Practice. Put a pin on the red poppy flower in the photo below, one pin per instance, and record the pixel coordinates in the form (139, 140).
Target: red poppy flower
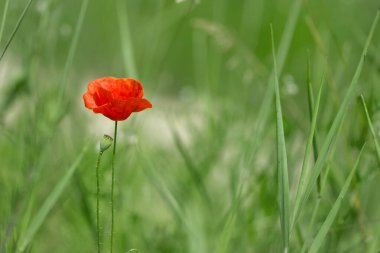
(115, 98)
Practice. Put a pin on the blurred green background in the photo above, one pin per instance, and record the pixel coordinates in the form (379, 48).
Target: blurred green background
(197, 173)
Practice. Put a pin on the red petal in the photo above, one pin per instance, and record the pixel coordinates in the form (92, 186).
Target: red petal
(112, 112)
(121, 109)
(89, 101)
(128, 88)
(102, 96)
(138, 104)
(120, 88)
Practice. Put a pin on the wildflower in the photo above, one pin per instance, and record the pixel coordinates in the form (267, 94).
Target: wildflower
(115, 98)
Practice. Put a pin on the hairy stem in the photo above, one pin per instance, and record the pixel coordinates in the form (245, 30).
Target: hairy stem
(112, 184)
(97, 199)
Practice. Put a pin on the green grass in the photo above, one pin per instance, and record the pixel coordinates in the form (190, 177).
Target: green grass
(49, 203)
(322, 233)
(282, 166)
(15, 28)
(252, 145)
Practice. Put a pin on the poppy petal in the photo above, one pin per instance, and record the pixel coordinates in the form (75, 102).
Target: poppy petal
(102, 96)
(128, 88)
(113, 112)
(122, 109)
(138, 104)
(121, 88)
(89, 101)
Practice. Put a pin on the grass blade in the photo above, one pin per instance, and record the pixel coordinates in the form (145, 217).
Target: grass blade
(321, 235)
(310, 97)
(377, 145)
(5, 12)
(311, 138)
(73, 47)
(49, 203)
(334, 130)
(282, 167)
(19, 21)
(265, 108)
(315, 211)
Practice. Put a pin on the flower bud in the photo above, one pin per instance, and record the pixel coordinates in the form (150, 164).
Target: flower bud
(105, 143)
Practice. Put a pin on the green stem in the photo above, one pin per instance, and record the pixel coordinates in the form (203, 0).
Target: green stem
(97, 199)
(113, 180)
(19, 21)
(3, 19)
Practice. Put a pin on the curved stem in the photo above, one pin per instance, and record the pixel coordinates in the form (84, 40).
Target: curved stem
(112, 184)
(97, 199)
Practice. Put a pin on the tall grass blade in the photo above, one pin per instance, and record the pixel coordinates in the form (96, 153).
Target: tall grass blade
(304, 172)
(19, 21)
(4, 18)
(334, 130)
(282, 167)
(265, 107)
(321, 235)
(49, 203)
(377, 145)
(310, 98)
(310, 231)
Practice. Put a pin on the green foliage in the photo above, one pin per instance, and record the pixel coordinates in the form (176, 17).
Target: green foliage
(198, 172)
(282, 162)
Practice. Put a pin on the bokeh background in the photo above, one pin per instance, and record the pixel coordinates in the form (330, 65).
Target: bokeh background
(197, 173)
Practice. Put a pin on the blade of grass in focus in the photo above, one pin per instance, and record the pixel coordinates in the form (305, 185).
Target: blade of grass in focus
(317, 204)
(377, 145)
(282, 164)
(312, 111)
(310, 141)
(322, 233)
(334, 130)
(51, 200)
(19, 21)
(266, 104)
